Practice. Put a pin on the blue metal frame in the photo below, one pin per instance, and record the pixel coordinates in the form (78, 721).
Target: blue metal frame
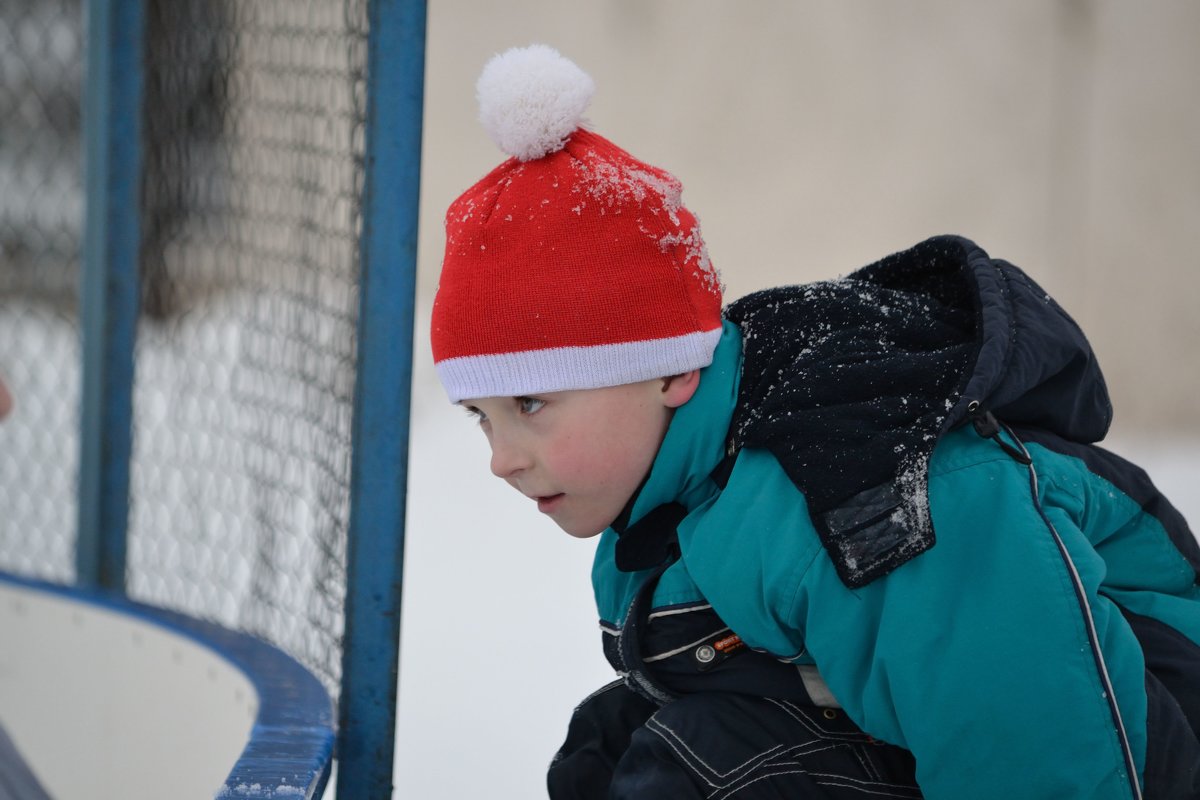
(379, 467)
(109, 310)
(110, 293)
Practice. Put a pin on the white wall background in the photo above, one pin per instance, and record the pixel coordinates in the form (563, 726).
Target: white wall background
(813, 137)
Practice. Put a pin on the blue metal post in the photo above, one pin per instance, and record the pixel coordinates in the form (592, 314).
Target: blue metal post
(379, 467)
(109, 295)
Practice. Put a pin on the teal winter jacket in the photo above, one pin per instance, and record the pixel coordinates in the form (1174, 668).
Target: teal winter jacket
(958, 577)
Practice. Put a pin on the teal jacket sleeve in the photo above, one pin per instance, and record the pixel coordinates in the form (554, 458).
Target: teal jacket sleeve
(992, 657)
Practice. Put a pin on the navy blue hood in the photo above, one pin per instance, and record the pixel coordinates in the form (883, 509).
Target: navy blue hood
(1033, 364)
(850, 383)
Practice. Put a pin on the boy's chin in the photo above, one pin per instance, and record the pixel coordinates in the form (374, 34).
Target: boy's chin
(580, 531)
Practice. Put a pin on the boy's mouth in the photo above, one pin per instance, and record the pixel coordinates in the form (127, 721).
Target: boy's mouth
(548, 503)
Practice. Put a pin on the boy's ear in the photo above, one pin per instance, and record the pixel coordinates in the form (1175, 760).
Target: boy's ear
(678, 389)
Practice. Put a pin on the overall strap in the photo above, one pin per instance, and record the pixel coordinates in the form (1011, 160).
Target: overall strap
(628, 655)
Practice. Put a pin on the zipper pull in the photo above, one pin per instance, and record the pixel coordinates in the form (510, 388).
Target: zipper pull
(987, 426)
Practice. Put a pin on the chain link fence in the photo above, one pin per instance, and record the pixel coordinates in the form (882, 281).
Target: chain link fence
(41, 224)
(253, 151)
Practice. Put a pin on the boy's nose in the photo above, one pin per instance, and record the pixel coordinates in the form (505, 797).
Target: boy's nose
(508, 457)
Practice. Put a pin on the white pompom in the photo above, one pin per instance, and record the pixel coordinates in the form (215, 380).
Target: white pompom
(531, 99)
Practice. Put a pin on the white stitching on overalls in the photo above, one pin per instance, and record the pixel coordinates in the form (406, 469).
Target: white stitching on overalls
(659, 728)
(774, 771)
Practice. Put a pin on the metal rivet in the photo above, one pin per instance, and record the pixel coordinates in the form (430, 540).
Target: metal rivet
(830, 713)
(705, 654)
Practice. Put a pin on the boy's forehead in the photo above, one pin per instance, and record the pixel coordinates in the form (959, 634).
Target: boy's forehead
(591, 392)
(506, 398)
(483, 401)
(511, 398)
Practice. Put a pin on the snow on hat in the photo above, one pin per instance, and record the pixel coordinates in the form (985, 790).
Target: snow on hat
(572, 265)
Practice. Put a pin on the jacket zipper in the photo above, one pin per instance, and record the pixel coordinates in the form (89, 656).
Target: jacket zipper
(988, 427)
(1093, 637)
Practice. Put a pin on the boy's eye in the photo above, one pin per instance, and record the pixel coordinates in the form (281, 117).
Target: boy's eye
(530, 405)
(474, 413)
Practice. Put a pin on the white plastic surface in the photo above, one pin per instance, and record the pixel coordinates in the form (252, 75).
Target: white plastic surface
(108, 704)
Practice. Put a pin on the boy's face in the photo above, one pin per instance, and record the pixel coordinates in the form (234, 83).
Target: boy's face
(580, 455)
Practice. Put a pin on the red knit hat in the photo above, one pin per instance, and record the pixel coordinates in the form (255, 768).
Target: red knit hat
(572, 265)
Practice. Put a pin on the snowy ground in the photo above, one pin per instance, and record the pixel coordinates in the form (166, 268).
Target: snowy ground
(499, 638)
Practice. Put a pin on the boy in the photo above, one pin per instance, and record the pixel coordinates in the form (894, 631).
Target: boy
(854, 537)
